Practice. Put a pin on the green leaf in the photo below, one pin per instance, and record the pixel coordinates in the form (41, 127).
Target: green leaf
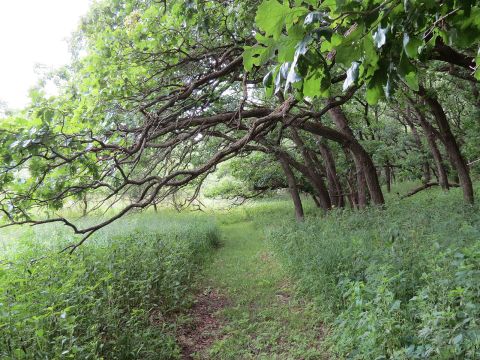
(331, 43)
(322, 32)
(411, 45)
(395, 305)
(464, 37)
(268, 79)
(466, 5)
(301, 49)
(292, 77)
(271, 17)
(371, 58)
(278, 79)
(376, 84)
(255, 56)
(347, 53)
(373, 94)
(408, 73)
(286, 45)
(284, 69)
(457, 339)
(294, 15)
(269, 82)
(316, 84)
(329, 4)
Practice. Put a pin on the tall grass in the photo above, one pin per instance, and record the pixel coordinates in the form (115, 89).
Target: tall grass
(401, 282)
(114, 298)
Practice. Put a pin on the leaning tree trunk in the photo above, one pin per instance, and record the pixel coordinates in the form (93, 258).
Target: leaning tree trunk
(451, 146)
(426, 166)
(437, 156)
(334, 185)
(352, 195)
(316, 201)
(315, 179)
(430, 134)
(427, 176)
(362, 187)
(292, 187)
(318, 184)
(313, 175)
(361, 157)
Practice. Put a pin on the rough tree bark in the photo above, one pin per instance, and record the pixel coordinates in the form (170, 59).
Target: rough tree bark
(334, 185)
(316, 201)
(388, 176)
(85, 205)
(313, 174)
(426, 166)
(363, 161)
(451, 146)
(361, 183)
(431, 135)
(352, 195)
(292, 187)
(314, 179)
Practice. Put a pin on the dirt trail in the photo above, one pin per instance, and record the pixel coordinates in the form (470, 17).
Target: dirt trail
(204, 329)
(249, 309)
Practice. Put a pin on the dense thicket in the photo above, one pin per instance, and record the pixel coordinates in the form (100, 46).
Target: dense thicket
(338, 96)
(116, 298)
(400, 283)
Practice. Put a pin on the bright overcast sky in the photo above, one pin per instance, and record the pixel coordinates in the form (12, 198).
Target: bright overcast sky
(33, 32)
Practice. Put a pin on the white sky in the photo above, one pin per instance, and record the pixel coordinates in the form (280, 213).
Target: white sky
(33, 32)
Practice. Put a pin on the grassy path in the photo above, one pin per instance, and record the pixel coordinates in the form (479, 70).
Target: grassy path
(260, 318)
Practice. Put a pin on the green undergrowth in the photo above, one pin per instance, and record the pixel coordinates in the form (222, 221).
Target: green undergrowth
(114, 298)
(396, 283)
(262, 319)
(401, 282)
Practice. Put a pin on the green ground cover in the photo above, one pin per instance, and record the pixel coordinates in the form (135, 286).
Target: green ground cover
(112, 299)
(393, 283)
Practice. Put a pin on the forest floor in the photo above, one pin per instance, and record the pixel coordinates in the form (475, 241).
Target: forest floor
(247, 309)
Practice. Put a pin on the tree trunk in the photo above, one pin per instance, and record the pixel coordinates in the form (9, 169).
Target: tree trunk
(361, 157)
(361, 183)
(292, 186)
(388, 176)
(437, 158)
(85, 205)
(352, 195)
(315, 200)
(427, 176)
(334, 185)
(314, 178)
(426, 166)
(431, 136)
(313, 175)
(451, 146)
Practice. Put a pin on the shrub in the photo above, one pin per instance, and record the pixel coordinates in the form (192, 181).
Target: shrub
(401, 283)
(113, 298)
